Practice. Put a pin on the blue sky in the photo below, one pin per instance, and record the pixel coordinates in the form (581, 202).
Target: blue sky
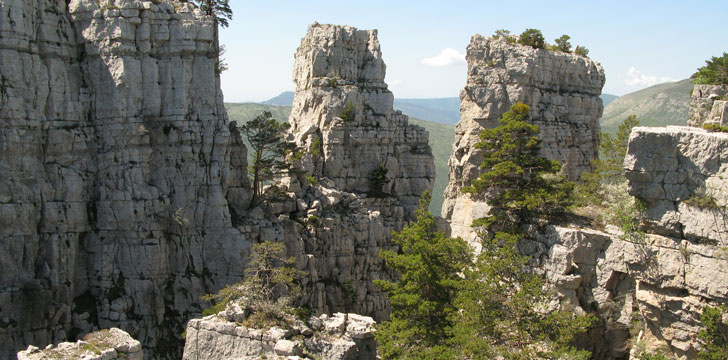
(639, 43)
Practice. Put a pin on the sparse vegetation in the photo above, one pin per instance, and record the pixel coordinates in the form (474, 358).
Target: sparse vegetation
(581, 51)
(377, 180)
(219, 9)
(563, 44)
(348, 112)
(715, 128)
(268, 290)
(714, 334)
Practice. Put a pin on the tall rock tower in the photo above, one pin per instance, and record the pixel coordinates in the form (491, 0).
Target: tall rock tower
(563, 93)
(343, 110)
(370, 168)
(116, 166)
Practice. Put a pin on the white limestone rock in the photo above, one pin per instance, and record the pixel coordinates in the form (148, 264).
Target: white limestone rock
(214, 338)
(562, 91)
(707, 105)
(111, 344)
(669, 168)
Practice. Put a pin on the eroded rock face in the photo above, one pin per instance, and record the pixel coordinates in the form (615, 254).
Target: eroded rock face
(563, 93)
(111, 344)
(707, 105)
(661, 282)
(343, 111)
(342, 117)
(674, 170)
(116, 169)
(337, 337)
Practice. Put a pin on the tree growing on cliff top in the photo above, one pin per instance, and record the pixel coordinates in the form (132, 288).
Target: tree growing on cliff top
(423, 300)
(533, 38)
(219, 9)
(715, 71)
(267, 140)
(563, 44)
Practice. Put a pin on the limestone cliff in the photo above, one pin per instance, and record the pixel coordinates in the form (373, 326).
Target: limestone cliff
(343, 119)
(563, 93)
(117, 171)
(708, 105)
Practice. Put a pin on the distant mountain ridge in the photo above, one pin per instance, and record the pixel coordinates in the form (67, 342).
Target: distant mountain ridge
(437, 110)
(658, 105)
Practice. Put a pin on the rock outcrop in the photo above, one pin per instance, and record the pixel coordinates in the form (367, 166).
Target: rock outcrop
(368, 166)
(708, 105)
(563, 93)
(681, 174)
(118, 171)
(111, 344)
(337, 337)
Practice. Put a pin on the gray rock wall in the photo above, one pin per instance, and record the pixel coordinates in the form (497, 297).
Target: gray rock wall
(563, 93)
(708, 105)
(672, 169)
(116, 166)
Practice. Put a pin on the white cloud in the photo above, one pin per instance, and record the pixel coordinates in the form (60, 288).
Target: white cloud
(447, 56)
(636, 79)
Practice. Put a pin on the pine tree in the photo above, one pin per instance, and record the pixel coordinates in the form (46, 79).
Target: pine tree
(502, 302)
(422, 300)
(267, 140)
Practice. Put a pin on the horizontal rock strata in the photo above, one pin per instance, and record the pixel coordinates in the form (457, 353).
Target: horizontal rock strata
(562, 91)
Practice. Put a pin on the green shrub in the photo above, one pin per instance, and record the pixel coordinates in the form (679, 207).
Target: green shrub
(581, 51)
(715, 71)
(377, 180)
(563, 44)
(702, 201)
(715, 128)
(505, 35)
(348, 113)
(311, 179)
(533, 38)
(714, 334)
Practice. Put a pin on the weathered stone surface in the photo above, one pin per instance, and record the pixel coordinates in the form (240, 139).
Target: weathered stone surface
(672, 168)
(563, 93)
(111, 344)
(342, 116)
(662, 282)
(707, 105)
(349, 337)
(343, 111)
(115, 164)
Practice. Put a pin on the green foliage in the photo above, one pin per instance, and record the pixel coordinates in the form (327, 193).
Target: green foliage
(563, 44)
(608, 167)
(502, 303)
(647, 356)
(219, 9)
(313, 220)
(502, 309)
(377, 180)
(522, 186)
(702, 201)
(715, 71)
(348, 113)
(268, 290)
(533, 38)
(506, 35)
(311, 179)
(266, 137)
(316, 147)
(581, 51)
(220, 64)
(715, 128)
(714, 334)
(422, 301)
